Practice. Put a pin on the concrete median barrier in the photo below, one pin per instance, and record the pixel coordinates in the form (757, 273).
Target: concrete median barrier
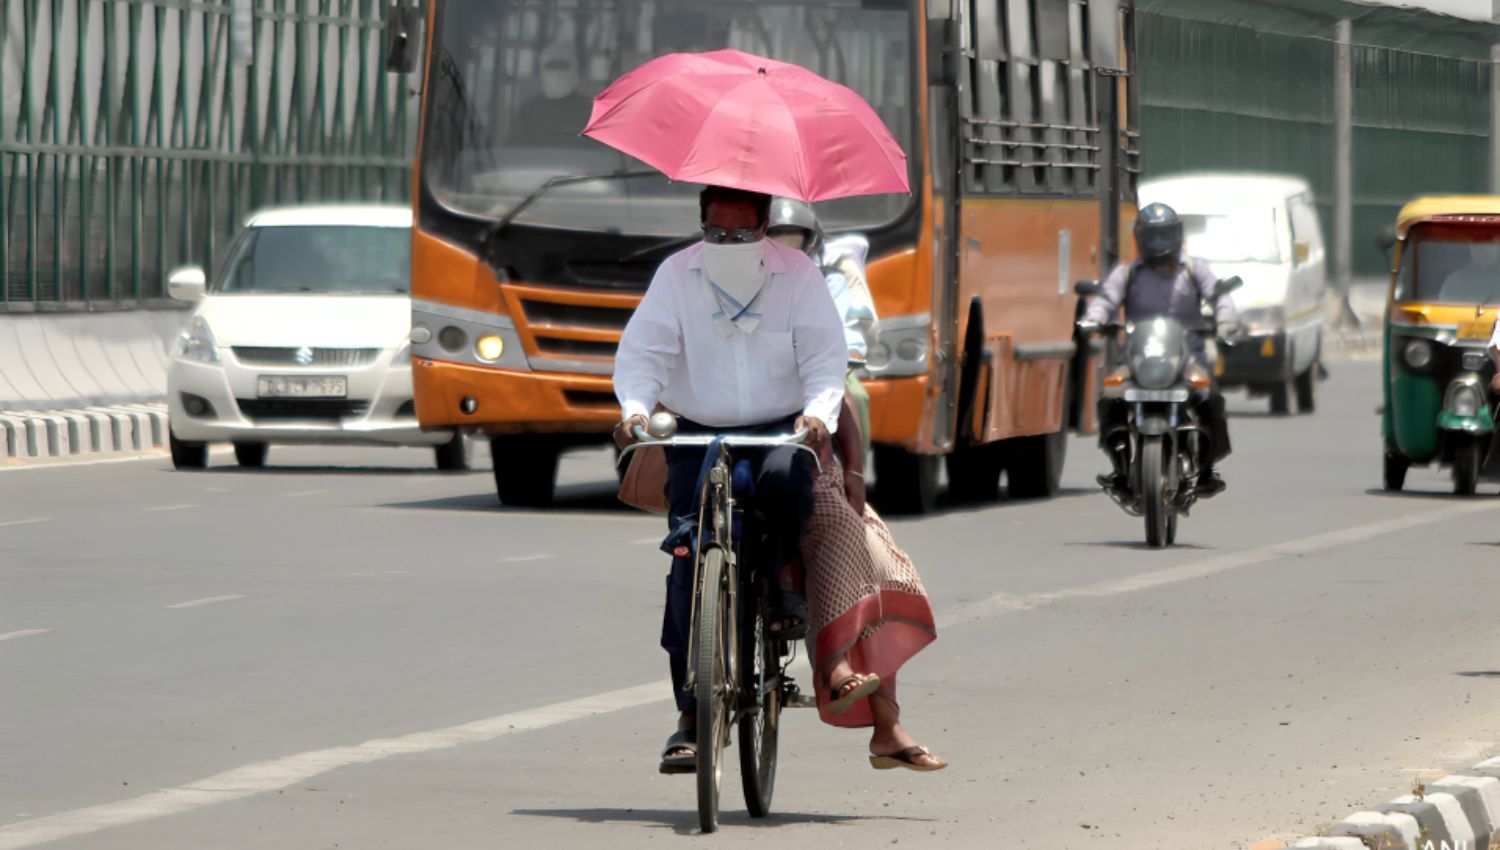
(1380, 830)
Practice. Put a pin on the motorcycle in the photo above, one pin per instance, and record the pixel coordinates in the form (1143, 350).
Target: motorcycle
(1162, 436)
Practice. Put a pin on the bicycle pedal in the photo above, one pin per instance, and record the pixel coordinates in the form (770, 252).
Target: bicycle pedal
(801, 700)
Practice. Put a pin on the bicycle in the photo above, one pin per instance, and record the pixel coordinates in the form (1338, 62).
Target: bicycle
(736, 669)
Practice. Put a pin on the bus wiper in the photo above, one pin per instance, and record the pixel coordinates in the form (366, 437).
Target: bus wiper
(496, 230)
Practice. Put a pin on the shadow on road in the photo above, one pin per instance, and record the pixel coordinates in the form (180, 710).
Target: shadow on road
(1139, 545)
(686, 822)
(1439, 495)
(329, 470)
(947, 507)
(594, 497)
(1479, 674)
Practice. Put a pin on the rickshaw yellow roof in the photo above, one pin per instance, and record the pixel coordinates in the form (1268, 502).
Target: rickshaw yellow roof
(1441, 206)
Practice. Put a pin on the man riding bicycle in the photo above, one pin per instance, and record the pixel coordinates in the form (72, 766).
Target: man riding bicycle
(736, 334)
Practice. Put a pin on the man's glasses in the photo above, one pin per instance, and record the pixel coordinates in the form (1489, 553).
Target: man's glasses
(723, 235)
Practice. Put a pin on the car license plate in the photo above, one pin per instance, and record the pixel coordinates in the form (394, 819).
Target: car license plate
(1477, 329)
(302, 386)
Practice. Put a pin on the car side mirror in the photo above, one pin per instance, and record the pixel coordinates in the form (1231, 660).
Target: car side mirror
(1088, 288)
(1227, 285)
(402, 29)
(188, 283)
(1385, 240)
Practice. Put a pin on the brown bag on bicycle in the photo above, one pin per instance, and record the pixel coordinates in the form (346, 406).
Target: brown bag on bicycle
(645, 483)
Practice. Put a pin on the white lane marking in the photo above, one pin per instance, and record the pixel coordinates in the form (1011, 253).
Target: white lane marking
(300, 493)
(160, 508)
(211, 600)
(24, 633)
(1001, 603)
(282, 773)
(15, 522)
(522, 559)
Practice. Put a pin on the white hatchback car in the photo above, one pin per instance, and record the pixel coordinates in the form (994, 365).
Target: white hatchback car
(304, 337)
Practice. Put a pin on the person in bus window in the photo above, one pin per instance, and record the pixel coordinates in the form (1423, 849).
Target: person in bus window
(1163, 282)
(555, 115)
(736, 334)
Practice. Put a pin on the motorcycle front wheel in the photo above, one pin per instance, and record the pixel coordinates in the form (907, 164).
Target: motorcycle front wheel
(1155, 507)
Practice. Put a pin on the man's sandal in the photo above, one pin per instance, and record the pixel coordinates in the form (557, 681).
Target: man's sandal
(840, 701)
(673, 762)
(907, 759)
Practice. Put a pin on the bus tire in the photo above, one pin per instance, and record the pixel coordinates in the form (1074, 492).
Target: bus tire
(907, 483)
(1035, 465)
(525, 470)
(974, 473)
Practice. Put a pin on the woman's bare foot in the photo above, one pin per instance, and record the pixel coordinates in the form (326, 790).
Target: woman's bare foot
(890, 738)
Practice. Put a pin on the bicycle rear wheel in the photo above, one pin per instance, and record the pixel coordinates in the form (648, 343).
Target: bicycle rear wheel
(712, 683)
(760, 688)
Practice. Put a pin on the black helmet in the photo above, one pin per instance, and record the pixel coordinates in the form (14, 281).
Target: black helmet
(788, 214)
(1158, 233)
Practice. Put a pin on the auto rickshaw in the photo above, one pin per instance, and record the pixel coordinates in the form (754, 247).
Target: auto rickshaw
(1442, 304)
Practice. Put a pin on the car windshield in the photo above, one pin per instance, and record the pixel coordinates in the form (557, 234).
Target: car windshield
(1450, 266)
(324, 259)
(513, 82)
(1240, 236)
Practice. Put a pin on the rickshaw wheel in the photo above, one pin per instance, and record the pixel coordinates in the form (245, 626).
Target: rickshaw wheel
(1396, 466)
(1466, 462)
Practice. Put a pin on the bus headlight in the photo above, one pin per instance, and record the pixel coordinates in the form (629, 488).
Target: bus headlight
(900, 349)
(489, 348)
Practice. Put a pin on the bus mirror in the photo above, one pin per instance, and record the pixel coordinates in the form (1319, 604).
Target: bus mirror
(1385, 240)
(942, 58)
(402, 27)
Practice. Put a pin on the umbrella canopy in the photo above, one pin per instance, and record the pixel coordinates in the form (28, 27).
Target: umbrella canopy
(734, 119)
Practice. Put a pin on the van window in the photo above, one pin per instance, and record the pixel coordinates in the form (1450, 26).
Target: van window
(1305, 227)
(1239, 236)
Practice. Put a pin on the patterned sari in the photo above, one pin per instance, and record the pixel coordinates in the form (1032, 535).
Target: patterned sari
(864, 596)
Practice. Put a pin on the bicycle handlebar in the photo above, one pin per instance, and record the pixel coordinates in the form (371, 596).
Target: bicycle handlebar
(796, 441)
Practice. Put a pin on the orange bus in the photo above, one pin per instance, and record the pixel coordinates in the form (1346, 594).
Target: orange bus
(533, 245)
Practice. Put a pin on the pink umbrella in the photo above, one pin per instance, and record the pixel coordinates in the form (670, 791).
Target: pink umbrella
(733, 119)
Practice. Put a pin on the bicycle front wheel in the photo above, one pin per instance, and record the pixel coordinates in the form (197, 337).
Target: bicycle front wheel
(760, 686)
(712, 682)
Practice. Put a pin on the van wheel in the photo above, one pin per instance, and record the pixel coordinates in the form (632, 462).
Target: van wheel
(1281, 398)
(453, 456)
(908, 483)
(525, 470)
(974, 473)
(187, 455)
(1396, 466)
(251, 455)
(1307, 384)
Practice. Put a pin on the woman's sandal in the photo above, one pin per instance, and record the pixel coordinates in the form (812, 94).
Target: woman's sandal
(787, 605)
(682, 739)
(864, 685)
(907, 758)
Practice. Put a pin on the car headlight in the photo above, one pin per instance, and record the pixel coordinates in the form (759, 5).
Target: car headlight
(1464, 400)
(1418, 354)
(1157, 372)
(198, 342)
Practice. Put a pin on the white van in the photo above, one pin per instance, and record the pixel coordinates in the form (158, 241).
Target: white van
(1263, 228)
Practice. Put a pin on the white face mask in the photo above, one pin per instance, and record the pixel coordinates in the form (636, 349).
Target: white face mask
(738, 269)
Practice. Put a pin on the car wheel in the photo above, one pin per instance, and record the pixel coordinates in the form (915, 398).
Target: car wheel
(453, 456)
(186, 455)
(251, 455)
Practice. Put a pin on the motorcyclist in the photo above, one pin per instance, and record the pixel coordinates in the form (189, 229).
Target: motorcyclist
(1163, 282)
(795, 224)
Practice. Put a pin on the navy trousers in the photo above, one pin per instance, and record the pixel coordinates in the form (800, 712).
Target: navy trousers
(778, 513)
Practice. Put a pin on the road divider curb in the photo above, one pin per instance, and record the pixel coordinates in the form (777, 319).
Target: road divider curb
(39, 435)
(1452, 812)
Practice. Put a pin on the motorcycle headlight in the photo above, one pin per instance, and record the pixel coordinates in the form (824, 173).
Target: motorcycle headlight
(198, 342)
(1157, 373)
(1418, 354)
(1464, 400)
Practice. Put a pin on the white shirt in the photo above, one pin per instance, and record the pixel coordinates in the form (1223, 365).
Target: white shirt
(794, 362)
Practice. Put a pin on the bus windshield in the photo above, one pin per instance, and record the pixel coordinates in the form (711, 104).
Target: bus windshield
(1451, 265)
(512, 84)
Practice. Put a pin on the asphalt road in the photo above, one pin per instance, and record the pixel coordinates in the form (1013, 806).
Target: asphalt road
(350, 650)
